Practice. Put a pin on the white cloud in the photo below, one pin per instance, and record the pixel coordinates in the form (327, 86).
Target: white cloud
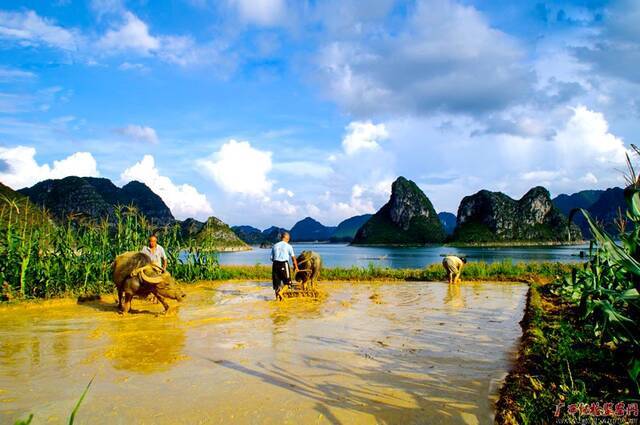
(30, 29)
(10, 74)
(283, 191)
(133, 34)
(128, 66)
(260, 12)
(140, 133)
(586, 142)
(239, 168)
(107, 7)
(20, 169)
(183, 199)
(363, 135)
(445, 57)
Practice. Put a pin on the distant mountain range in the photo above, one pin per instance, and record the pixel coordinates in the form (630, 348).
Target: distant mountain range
(253, 236)
(347, 229)
(603, 205)
(90, 198)
(448, 221)
(305, 230)
(408, 217)
(96, 198)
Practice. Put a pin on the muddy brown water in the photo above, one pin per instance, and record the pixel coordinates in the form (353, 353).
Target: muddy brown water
(396, 353)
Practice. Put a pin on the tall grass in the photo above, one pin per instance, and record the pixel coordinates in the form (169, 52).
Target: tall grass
(44, 259)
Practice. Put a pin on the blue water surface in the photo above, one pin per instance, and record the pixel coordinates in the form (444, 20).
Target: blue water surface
(343, 255)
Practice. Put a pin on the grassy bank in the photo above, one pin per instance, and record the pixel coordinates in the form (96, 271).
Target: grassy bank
(501, 271)
(579, 360)
(560, 363)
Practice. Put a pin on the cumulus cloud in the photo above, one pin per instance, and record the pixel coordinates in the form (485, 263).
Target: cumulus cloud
(184, 200)
(363, 135)
(586, 142)
(447, 58)
(240, 168)
(243, 175)
(22, 170)
(132, 34)
(260, 12)
(139, 133)
(27, 28)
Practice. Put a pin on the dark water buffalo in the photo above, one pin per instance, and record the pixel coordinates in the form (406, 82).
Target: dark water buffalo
(134, 274)
(309, 265)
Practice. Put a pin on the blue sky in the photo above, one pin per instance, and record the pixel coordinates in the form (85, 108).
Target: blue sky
(262, 112)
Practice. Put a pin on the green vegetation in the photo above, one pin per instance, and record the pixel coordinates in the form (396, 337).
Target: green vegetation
(502, 271)
(41, 259)
(216, 235)
(582, 333)
(559, 362)
(473, 232)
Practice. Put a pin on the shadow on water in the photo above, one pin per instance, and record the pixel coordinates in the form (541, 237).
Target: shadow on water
(415, 397)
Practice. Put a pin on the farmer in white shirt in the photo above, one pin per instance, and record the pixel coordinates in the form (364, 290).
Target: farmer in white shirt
(156, 253)
(280, 270)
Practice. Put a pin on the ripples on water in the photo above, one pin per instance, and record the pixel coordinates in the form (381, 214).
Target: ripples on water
(367, 353)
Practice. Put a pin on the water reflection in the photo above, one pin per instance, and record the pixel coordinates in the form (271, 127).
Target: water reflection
(453, 298)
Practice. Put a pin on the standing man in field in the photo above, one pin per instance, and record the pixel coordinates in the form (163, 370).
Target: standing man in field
(156, 253)
(453, 266)
(280, 270)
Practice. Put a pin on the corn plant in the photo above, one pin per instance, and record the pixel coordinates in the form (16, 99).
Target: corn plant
(606, 287)
(43, 259)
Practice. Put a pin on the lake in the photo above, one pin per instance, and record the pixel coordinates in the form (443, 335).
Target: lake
(343, 255)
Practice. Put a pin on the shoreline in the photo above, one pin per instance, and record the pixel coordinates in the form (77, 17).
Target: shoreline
(496, 244)
(533, 272)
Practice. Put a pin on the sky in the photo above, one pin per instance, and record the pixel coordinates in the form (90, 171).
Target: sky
(262, 112)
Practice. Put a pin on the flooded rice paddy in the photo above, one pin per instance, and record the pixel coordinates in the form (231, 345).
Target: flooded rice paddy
(396, 353)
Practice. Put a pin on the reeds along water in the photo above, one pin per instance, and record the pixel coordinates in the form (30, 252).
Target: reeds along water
(39, 258)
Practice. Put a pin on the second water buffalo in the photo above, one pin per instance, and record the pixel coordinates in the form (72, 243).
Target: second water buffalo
(309, 265)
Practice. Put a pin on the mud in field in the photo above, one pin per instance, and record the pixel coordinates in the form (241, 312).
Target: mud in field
(397, 353)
